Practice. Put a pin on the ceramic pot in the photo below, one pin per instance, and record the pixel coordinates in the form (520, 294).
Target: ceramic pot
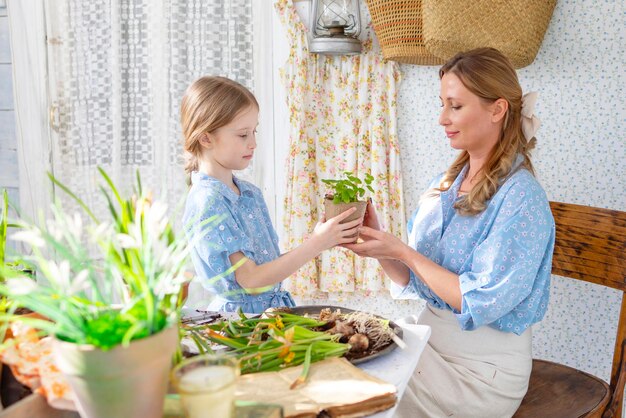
(122, 382)
(332, 209)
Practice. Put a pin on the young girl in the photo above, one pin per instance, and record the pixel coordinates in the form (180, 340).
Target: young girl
(219, 119)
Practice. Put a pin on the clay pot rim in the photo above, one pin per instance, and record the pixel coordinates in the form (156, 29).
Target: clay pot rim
(331, 197)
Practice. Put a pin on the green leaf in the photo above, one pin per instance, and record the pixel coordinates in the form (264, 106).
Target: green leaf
(4, 222)
(138, 179)
(111, 185)
(348, 189)
(73, 196)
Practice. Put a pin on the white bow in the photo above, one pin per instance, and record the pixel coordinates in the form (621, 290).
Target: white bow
(530, 122)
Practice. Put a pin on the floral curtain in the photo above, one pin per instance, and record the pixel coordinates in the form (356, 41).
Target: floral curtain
(342, 118)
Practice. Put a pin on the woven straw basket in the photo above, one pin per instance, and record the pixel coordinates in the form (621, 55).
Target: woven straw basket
(515, 27)
(398, 27)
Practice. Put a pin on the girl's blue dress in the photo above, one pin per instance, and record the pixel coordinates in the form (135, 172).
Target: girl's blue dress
(242, 223)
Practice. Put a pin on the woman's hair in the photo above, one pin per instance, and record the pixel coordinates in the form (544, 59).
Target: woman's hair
(208, 104)
(487, 73)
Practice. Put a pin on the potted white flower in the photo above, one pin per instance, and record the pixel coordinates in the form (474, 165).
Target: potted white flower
(111, 297)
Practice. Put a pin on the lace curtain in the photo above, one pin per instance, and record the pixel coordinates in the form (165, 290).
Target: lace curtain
(118, 70)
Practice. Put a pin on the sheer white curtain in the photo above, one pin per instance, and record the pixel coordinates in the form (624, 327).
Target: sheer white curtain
(99, 83)
(118, 70)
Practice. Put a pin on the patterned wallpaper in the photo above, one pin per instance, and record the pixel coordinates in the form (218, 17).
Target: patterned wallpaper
(580, 158)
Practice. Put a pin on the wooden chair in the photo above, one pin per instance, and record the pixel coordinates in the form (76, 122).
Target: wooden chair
(590, 246)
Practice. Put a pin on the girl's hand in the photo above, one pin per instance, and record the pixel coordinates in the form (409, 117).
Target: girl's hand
(330, 233)
(371, 219)
(377, 244)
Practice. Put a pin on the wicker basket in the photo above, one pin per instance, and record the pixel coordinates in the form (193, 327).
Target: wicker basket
(515, 27)
(398, 27)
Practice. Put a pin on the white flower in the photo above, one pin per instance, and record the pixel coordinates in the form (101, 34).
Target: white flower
(30, 236)
(126, 241)
(21, 286)
(155, 216)
(54, 229)
(77, 227)
(80, 282)
(168, 285)
(164, 256)
(101, 231)
(60, 274)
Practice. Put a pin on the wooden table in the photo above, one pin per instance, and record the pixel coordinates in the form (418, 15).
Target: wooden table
(395, 367)
(35, 406)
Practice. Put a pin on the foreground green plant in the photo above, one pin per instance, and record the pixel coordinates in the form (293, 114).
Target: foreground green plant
(349, 189)
(7, 263)
(108, 282)
(4, 223)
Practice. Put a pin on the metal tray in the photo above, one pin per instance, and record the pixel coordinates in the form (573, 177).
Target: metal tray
(314, 310)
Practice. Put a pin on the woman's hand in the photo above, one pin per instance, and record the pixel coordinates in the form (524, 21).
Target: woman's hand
(330, 233)
(387, 249)
(377, 244)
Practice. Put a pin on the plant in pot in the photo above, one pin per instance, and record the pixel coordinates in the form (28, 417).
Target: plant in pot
(109, 291)
(347, 192)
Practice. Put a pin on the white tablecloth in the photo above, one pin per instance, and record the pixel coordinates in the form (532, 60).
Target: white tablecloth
(397, 366)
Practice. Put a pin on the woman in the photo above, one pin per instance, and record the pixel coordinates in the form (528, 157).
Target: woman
(480, 248)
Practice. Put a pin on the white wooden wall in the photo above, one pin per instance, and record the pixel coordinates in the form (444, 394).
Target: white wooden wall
(8, 144)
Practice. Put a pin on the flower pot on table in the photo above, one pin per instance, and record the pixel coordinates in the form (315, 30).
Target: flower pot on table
(123, 381)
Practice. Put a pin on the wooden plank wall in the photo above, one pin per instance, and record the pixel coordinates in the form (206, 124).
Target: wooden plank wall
(8, 143)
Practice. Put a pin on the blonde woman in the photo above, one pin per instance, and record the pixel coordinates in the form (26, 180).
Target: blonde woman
(480, 248)
(219, 118)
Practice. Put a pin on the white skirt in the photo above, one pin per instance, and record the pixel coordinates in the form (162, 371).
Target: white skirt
(482, 373)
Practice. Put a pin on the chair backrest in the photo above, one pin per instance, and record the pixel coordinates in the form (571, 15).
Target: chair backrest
(591, 246)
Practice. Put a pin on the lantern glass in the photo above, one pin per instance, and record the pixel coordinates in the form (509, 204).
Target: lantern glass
(337, 17)
(335, 27)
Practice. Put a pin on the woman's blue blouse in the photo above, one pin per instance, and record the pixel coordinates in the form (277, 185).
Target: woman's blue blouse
(241, 223)
(503, 255)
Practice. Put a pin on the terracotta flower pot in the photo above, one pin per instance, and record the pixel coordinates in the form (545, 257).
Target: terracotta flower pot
(121, 382)
(332, 209)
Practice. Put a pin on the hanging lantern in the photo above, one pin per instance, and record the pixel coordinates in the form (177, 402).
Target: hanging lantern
(335, 27)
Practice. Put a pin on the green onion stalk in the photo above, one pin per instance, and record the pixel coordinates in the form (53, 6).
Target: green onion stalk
(272, 343)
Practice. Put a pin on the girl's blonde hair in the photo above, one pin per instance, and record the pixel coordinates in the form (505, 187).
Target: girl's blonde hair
(208, 104)
(489, 74)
